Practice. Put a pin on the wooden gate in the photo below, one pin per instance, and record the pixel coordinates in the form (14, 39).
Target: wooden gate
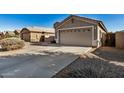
(110, 39)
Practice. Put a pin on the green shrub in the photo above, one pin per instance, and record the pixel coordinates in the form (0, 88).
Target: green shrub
(11, 44)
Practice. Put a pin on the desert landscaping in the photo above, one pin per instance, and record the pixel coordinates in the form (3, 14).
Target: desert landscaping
(65, 51)
(105, 62)
(52, 60)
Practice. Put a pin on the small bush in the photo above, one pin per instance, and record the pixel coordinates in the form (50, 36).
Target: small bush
(11, 44)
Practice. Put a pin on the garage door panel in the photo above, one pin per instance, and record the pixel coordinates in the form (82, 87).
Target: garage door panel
(76, 38)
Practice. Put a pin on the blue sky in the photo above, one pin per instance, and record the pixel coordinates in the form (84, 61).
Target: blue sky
(113, 22)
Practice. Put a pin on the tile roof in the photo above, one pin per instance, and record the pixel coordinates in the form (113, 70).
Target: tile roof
(40, 29)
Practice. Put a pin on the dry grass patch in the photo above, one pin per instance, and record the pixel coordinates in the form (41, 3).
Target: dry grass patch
(11, 44)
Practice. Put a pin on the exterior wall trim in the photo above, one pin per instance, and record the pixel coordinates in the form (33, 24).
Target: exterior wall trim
(74, 28)
(93, 35)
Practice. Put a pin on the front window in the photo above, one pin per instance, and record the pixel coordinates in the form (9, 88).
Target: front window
(36, 36)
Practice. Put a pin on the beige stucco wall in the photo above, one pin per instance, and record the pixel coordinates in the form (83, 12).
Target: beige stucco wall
(69, 24)
(77, 23)
(26, 37)
(35, 37)
(49, 39)
(119, 40)
(101, 36)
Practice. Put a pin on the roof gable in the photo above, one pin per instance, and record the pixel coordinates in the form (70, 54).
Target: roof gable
(88, 20)
(74, 22)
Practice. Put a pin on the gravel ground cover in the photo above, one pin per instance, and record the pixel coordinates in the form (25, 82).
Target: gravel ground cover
(105, 62)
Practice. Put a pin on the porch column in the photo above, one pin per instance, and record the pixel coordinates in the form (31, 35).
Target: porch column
(58, 36)
(92, 36)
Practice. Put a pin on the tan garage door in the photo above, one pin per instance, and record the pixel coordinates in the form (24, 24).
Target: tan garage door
(82, 37)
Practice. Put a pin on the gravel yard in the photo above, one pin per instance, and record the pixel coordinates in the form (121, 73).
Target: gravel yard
(110, 53)
(105, 62)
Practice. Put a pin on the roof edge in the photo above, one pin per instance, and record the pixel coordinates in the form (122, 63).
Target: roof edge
(97, 21)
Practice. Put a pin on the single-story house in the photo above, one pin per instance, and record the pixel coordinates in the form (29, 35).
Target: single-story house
(37, 34)
(82, 31)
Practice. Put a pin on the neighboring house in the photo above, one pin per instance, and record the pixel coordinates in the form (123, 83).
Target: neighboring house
(37, 34)
(75, 30)
(9, 34)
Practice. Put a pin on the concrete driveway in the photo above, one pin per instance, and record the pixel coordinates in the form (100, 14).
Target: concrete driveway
(38, 61)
